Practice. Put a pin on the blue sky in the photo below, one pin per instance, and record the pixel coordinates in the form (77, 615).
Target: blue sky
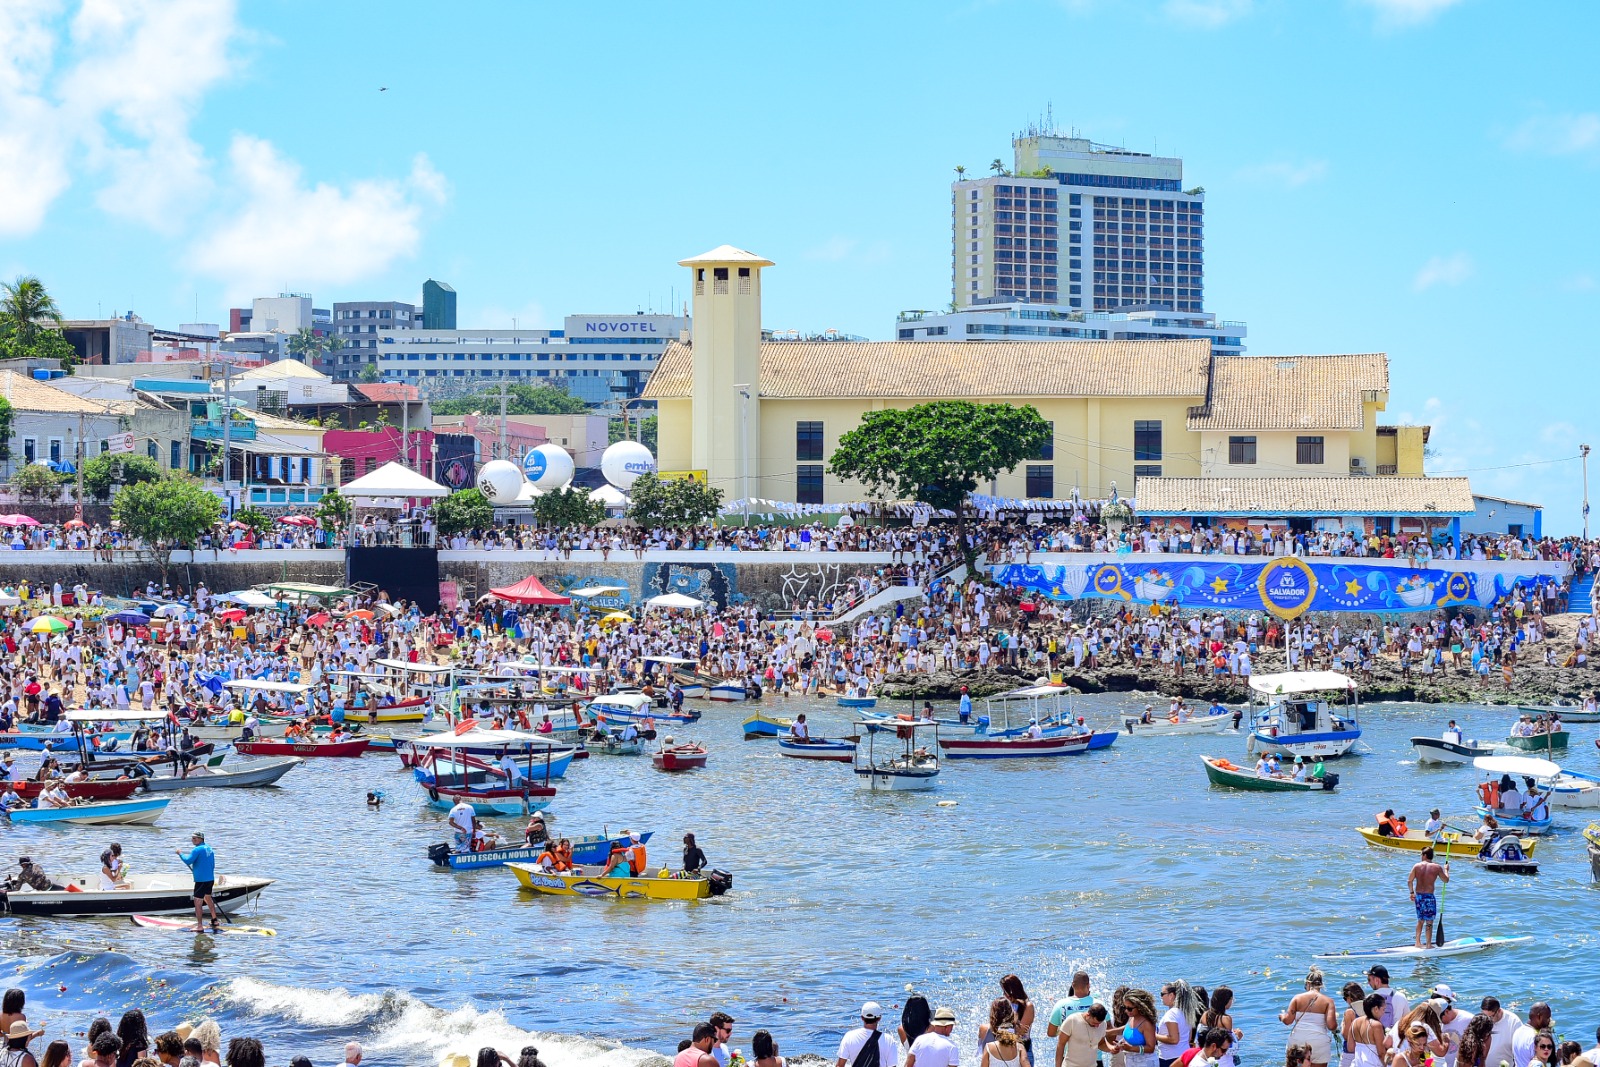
(1410, 176)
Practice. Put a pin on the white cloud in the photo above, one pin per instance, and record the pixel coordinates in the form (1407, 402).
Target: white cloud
(1401, 14)
(278, 226)
(1556, 135)
(1443, 270)
(1581, 283)
(1290, 175)
(33, 149)
(1207, 14)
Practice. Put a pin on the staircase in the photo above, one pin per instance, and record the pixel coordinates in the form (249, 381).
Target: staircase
(889, 595)
(1581, 599)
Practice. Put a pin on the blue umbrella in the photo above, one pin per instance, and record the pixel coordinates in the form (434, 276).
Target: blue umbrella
(131, 618)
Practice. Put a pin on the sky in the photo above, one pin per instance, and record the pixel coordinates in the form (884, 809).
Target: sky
(1363, 162)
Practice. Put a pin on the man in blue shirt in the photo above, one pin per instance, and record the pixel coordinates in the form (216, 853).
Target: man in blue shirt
(202, 864)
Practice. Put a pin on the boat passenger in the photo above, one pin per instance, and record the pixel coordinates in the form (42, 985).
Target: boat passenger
(535, 834)
(1299, 768)
(1147, 718)
(964, 714)
(1034, 732)
(799, 730)
(694, 860)
(1390, 824)
(1510, 797)
(1263, 767)
(509, 768)
(31, 875)
(546, 726)
(1537, 806)
(557, 857)
(1433, 829)
(1452, 733)
(461, 823)
(1487, 831)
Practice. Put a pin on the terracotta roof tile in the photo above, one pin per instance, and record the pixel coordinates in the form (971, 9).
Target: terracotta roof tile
(1291, 392)
(1269, 497)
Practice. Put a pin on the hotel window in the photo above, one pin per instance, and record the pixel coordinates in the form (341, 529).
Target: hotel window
(1308, 450)
(1241, 450)
(1048, 449)
(1041, 481)
(808, 441)
(808, 483)
(1147, 441)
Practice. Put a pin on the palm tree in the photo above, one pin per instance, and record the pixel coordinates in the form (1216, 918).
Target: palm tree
(26, 307)
(305, 345)
(331, 345)
(961, 173)
(998, 167)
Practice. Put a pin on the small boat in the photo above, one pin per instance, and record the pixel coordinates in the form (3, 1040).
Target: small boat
(238, 776)
(817, 748)
(322, 749)
(857, 700)
(1566, 712)
(1296, 723)
(115, 789)
(636, 707)
(541, 759)
(612, 744)
(1438, 750)
(688, 756)
(897, 762)
(224, 732)
(97, 813)
(587, 882)
(729, 692)
(1458, 947)
(1507, 855)
(990, 748)
(1517, 822)
(1449, 843)
(1540, 742)
(491, 799)
(1574, 789)
(761, 725)
(1170, 726)
(1224, 773)
(1103, 739)
(593, 849)
(411, 709)
(146, 894)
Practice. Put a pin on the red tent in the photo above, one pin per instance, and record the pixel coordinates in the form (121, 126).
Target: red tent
(530, 591)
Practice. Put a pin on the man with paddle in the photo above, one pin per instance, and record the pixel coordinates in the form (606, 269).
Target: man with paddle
(1424, 876)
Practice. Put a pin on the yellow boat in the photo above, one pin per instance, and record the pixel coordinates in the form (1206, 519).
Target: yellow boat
(586, 882)
(1449, 843)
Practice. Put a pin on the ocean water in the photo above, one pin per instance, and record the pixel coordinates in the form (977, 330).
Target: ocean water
(1125, 863)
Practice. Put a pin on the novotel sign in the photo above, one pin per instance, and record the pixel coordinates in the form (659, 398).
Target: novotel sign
(621, 326)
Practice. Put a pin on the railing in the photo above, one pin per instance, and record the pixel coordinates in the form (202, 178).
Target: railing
(1388, 468)
(206, 430)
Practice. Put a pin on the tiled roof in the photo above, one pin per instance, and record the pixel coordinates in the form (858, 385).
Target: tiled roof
(29, 394)
(1291, 392)
(388, 392)
(265, 421)
(960, 369)
(1270, 497)
(282, 368)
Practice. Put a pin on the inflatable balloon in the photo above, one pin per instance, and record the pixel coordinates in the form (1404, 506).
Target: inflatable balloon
(625, 461)
(548, 466)
(499, 481)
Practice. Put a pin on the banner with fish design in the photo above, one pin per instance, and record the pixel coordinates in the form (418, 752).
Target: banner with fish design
(1286, 586)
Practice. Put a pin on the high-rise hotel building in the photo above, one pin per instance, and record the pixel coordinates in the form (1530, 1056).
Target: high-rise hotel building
(1081, 225)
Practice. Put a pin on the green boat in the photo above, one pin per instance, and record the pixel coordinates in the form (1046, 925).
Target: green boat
(1223, 773)
(1540, 742)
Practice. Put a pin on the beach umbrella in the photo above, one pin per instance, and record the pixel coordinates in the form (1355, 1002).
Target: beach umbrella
(129, 618)
(824, 634)
(24, 520)
(74, 524)
(48, 624)
(321, 618)
(170, 611)
(360, 613)
(231, 615)
(616, 617)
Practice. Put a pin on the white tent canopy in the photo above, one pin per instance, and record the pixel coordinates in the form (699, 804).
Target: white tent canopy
(394, 480)
(610, 496)
(675, 600)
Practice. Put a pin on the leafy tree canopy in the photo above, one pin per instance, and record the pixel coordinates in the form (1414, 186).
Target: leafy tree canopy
(334, 509)
(646, 429)
(520, 400)
(673, 503)
(464, 510)
(35, 481)
(568, 507)
(102, 472)
(258, 521)
(173, 511)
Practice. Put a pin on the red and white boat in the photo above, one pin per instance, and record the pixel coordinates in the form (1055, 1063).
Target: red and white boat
(310, 749)
(685, 757)
(113, 789)
(1014, 747)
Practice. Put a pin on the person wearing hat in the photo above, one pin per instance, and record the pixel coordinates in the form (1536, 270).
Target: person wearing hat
(202, 864)
(934, 1048)
(536, 834)
(1452, 1023)
(865, 1046)
(17, 1037)
(1433, 829)
(32, 875)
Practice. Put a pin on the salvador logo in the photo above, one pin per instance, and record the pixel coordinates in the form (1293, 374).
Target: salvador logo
(1287, 586)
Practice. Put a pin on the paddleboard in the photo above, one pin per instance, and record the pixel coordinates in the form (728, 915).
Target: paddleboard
(1458, 947)
(157, 922)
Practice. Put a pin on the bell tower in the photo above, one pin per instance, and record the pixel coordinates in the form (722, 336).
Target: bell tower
(725, 439)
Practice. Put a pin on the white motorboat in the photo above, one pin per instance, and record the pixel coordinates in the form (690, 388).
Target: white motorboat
(898, 761)
(1170, 726)
(1574, 789)
(235, 733)
(146, 894)
(1438, 750)
(236, 775)
(1295, 723)
(728, 691)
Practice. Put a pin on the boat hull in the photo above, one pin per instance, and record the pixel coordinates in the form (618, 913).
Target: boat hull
(661, 716)
(1327, 746)
(307, 749)
(1541, 743)
(156, 894)
(1567, 714)
(266, 731)
(614, 747)
(1014, 747)
(879, 780)
(758, 726)
(588, 883)
(1451, 844)
(1102, 739)
(264, 773)
(857, 702)
(1574, 791)
(99, 813)
(116, 789)
(675, 760)
(1249, 781)
(728, 693)
(1201, 724)
(1514, 822)
(1439, 751)
(817, 749)
(593, 849)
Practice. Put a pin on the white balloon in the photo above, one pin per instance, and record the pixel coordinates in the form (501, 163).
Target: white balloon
(499, 481)
(548, 466)
(625, 461)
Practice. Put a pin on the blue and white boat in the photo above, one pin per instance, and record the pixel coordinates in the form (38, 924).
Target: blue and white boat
(636, 707)
(1297, 723)
(857, 700)
(593, 849)
(118, 812)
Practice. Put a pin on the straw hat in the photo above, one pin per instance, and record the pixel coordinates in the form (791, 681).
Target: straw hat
(21, 1029)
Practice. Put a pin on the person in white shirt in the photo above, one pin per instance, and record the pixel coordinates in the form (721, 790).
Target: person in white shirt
(1081, 1037)
(1452, 733)
(865, 1046)
(1505, 1025)
(1453, 1022)
(1434, 827)
(800, 730)
(1522, 1038)
(461, 823)
(934, 1048)
(1395, 1003)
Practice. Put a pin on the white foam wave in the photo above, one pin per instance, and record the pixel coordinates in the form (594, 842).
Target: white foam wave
(400, 1023)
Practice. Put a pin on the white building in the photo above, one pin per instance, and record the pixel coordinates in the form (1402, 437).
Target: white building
(284, 313)
(597, 358)
(1037, 322)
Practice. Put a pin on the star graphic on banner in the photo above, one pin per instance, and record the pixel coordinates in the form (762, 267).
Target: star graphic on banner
(1352, 588)
(1219, 585)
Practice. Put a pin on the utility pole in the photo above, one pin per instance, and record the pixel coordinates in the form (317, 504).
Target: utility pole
(502, 420)
(405, 431)
(227, 437)
(81, 453)
(1583, 454)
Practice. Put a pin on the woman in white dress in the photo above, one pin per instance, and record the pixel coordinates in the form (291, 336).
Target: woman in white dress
(1311, 1020)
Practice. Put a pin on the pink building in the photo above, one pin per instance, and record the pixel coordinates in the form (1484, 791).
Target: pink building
(362, 451)
(521, 435)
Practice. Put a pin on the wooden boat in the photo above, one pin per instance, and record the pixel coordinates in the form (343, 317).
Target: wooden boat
(1458, 947)
(586, 882)
(1223, 773)
(817, 748)
(238, 776)
(1517, 822)
(147, 894)
(224, 732)
(760, 725)
(546, 759)
(1102, 739)
(685, 757)
(1167, 726)
(97, 813)
(489, 799)
(411, 709)
(318, 749)
(1540, 742)
(1449, 842)
(115, 789)
(857, 700)
(1566, 712)
(593, 849)
(728, 692)
(1438, 750)
(636, 707)
(990, 748)
(611, 744)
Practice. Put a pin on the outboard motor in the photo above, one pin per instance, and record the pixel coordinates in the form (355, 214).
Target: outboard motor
(1330, 781)
(720, 882)
(440, 854)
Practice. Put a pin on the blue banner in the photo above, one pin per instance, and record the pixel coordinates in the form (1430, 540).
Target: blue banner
(1287, 586)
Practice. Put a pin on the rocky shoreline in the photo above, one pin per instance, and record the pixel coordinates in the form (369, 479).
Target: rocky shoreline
(1531, 684)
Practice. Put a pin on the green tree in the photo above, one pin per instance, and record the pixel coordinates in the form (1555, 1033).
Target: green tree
(27, 310)
(675, 503)
(568, 507)
(37, 482)
(461, 511)
(520, 400)
(255, 520)
(5, 428)
(102, 472)
(334, 510)
(368, 374)
(999, 168)
(306, 345)
(332, 345)
(167, 514)
(939, 453)
(646, 428)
